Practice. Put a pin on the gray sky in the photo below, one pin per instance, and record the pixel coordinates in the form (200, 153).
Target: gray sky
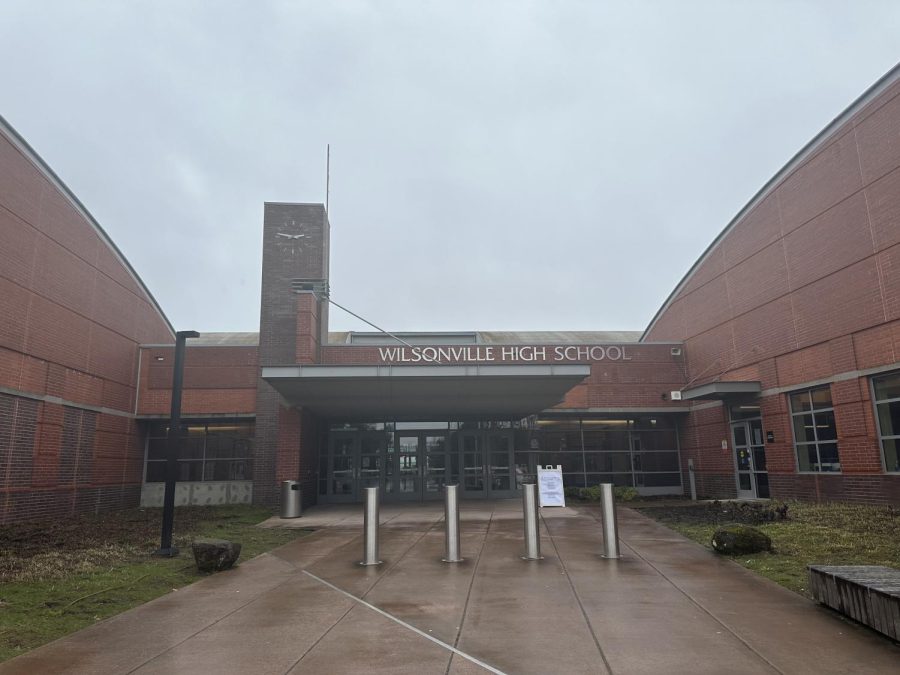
(495, 165)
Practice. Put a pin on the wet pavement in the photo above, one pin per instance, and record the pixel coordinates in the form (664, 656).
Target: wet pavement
(667, 606)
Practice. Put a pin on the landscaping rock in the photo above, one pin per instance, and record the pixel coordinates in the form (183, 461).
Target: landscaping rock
(215, 555)
(740, 539)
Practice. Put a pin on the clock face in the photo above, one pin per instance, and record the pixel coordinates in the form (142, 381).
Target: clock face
(292, 237)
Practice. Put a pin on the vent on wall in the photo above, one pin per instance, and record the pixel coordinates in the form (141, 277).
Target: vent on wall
(675, 395)
(675, 351)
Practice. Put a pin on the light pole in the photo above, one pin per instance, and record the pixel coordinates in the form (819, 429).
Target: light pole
(173, 445)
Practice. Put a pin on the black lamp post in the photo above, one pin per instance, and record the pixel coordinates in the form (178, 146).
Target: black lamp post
(173, 444)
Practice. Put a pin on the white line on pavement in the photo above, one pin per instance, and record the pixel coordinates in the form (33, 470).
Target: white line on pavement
(406, 625)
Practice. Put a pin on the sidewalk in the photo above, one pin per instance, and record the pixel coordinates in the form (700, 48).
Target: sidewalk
(668, 606)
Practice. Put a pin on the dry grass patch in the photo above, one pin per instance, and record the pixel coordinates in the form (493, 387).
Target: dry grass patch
(823, 534)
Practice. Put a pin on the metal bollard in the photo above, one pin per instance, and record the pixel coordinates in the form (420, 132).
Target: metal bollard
(530, 514)
(370, 527)
(451, 524)
(610, 526)
(693, 480)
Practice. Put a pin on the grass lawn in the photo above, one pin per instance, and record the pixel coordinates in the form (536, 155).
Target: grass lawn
(59, 577)
(825, 534)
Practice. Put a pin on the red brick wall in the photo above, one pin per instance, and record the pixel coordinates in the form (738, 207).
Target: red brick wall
(287, 460)
(298, 451)
(803, 287)
(308, 330)
(217, 381)
(646, 379)
(73, 316)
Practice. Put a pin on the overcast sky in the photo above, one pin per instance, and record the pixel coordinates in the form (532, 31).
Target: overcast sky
(494, 165)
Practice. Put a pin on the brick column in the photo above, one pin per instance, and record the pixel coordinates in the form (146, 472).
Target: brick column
(291, 326)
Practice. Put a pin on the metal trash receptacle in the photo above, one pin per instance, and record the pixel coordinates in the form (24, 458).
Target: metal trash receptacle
(291, 499)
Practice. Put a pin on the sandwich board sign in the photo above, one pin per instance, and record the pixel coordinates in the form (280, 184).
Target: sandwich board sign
(550, 486)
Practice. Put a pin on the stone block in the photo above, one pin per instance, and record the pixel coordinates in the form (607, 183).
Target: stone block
(215, 555)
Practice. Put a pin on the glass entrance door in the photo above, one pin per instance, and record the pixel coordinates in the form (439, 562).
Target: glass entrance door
(422, 465)
(472, 478)
(342, 465)
(408, 467)
(750, 459)
(488, 466)
(501, 479)
(371, 462)
(355, 461)
(416, 464)
(435, 465)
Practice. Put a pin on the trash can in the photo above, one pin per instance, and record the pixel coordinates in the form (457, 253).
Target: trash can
(291, 499)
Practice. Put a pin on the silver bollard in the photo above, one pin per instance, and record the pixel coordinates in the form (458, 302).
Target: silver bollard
(451, 524)
(370, 527)
(610, 526)
(530, 514)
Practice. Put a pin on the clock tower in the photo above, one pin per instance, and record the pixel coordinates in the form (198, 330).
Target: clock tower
(293, 325)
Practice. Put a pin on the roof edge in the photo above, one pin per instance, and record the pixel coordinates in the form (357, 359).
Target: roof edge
(814, 144)
(30, 153)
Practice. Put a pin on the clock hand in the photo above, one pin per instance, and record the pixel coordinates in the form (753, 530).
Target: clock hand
(282, 234)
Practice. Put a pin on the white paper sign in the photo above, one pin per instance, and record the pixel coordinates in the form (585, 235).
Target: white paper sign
(550, 486)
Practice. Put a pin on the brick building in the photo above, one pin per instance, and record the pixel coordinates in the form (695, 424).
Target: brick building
(74, 313)
(799, 297)
(773, 368)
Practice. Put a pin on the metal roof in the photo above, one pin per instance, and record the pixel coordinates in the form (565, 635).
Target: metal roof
(340, 338)
(486, 337)
(225, 340)
(565, 337)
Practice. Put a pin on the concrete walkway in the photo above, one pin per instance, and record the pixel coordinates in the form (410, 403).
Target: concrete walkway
(668, 606)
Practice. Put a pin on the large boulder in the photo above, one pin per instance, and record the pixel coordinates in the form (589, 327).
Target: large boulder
(739, 540)
(215, 555)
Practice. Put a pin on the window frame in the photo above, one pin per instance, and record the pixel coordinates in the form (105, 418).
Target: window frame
(203, 461)
(632, 428)
(812, 412)
(881, 436)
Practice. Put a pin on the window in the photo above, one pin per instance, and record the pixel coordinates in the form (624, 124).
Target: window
(815, 433)
(634, 451)
(209, 452)
(887, 410)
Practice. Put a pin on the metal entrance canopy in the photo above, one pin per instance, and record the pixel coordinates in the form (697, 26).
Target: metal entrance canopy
(425, 392)
(722, 390)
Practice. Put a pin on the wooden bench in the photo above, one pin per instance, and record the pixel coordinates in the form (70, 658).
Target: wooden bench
(867, 593)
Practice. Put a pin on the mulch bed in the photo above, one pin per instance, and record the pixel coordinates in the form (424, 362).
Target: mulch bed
(853, 518)
(716, 512)
(52, 548)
